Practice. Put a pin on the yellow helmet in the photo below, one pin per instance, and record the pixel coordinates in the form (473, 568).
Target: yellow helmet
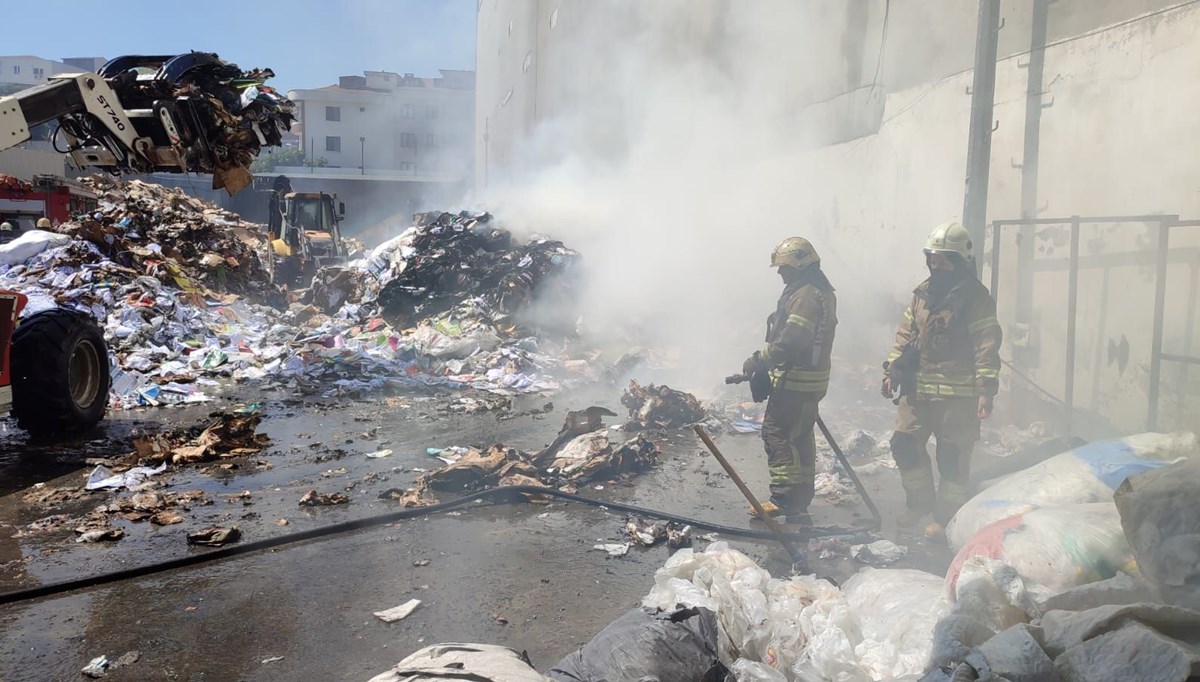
(43, 223)
(949, 237)
(797, 252)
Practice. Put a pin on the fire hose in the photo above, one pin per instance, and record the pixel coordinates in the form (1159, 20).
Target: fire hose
(876, 517)
(499, 495)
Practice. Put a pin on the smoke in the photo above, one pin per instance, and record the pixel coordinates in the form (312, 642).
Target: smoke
(673, 156)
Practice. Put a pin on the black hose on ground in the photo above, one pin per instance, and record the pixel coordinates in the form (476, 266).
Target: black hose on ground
(501, 495)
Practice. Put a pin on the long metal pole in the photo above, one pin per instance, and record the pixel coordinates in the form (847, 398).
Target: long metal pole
(1072, 310)
(876, 517)
(1023, 312)
(979, 139)
(792, 551)
(1160, 299)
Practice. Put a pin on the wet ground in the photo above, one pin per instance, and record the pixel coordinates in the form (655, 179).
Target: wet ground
(521, 575)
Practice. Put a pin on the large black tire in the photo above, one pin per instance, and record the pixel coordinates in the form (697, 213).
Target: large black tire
(60, 374)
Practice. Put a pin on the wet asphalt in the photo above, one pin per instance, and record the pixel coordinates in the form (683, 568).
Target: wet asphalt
(521, 575)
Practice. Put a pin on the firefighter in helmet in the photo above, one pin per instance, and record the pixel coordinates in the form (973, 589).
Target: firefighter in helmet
(797, 358)
(43, 223)
(951, 338)
(7, 232)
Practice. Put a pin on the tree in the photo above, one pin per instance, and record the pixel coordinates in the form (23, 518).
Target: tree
(268, 161)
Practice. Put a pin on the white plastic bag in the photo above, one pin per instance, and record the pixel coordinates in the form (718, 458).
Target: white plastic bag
(1086, 474)
(1056, 547)
(879, 627)
(896, 611)
(29, 245)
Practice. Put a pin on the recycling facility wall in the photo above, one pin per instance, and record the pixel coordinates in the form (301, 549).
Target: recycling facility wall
(1118, 139)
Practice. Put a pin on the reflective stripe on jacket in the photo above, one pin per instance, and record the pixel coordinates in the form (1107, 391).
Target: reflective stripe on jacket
(958, 339)
(800, 338)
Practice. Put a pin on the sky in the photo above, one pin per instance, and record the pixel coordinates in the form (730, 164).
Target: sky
(308, 43)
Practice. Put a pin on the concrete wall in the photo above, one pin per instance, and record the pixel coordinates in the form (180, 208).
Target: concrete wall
(1120, 139)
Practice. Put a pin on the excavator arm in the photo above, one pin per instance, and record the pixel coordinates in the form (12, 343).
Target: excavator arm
(191, 113)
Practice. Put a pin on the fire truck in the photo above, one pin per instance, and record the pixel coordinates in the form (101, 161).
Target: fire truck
(48, 196)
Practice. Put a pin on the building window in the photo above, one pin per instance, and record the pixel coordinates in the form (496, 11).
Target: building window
(406, 166)
(406, 111)
(16, 68)
(431, 140)
(333, 143)
(333, 113)
(431, 111)
(408, 140)
(361, 109)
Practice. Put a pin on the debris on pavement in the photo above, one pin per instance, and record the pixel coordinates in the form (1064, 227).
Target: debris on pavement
(379, 454)
(614, 549)
(650, 533)
(99, 534)
(273, 659)
(214, 536)
(481, 662)
(879, 553)
(399, 612)
(585, 458)
(97, 667)
(660, 407)
(103, 478)
(314, 499)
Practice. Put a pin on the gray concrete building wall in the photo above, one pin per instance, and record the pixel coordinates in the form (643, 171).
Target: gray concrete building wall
(1119, 138)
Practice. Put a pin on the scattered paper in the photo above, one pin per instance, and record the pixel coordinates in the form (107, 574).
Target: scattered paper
(398, 613)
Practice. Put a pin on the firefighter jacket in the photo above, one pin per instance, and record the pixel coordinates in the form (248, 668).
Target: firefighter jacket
(957, 338)
(800, 336)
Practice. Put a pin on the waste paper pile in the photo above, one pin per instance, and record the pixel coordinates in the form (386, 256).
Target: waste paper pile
(1073, 584)
(660, 407)
(582, 452)
(179, 288)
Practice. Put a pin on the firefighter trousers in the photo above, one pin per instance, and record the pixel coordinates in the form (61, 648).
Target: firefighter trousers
(954, 423)
(791, 447)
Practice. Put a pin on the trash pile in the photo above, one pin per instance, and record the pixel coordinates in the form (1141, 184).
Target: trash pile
(1084, 605)
(660, 407)
(445, 259)
(716, 613)
(573, 458)
(176, 284)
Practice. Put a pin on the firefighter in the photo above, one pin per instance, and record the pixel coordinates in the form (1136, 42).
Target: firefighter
(7, 232)
(43, 223)
(797, 358)
(952, 335)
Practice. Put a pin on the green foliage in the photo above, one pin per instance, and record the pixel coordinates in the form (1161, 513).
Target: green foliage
(269, 160)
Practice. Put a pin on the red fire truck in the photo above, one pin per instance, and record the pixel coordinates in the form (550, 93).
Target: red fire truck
(49, 196)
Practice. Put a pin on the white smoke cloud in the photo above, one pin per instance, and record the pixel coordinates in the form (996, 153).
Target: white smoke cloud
(678, 170)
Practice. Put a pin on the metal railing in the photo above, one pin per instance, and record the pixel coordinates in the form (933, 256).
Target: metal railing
(1165, 224)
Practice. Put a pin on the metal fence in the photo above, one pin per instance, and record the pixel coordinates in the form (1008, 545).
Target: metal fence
(1165, 224)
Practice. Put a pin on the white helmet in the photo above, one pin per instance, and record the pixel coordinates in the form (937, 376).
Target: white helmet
(949, 238)
(6, 226)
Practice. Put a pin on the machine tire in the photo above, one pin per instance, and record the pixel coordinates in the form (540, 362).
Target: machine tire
(60, 373)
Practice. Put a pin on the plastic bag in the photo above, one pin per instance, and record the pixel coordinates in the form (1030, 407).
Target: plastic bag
(803, 628)
(675, 645)
(896, 611)
(1086, 474)
(480, 662)
(1054, 547)
(430, 341)
(29, 245)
